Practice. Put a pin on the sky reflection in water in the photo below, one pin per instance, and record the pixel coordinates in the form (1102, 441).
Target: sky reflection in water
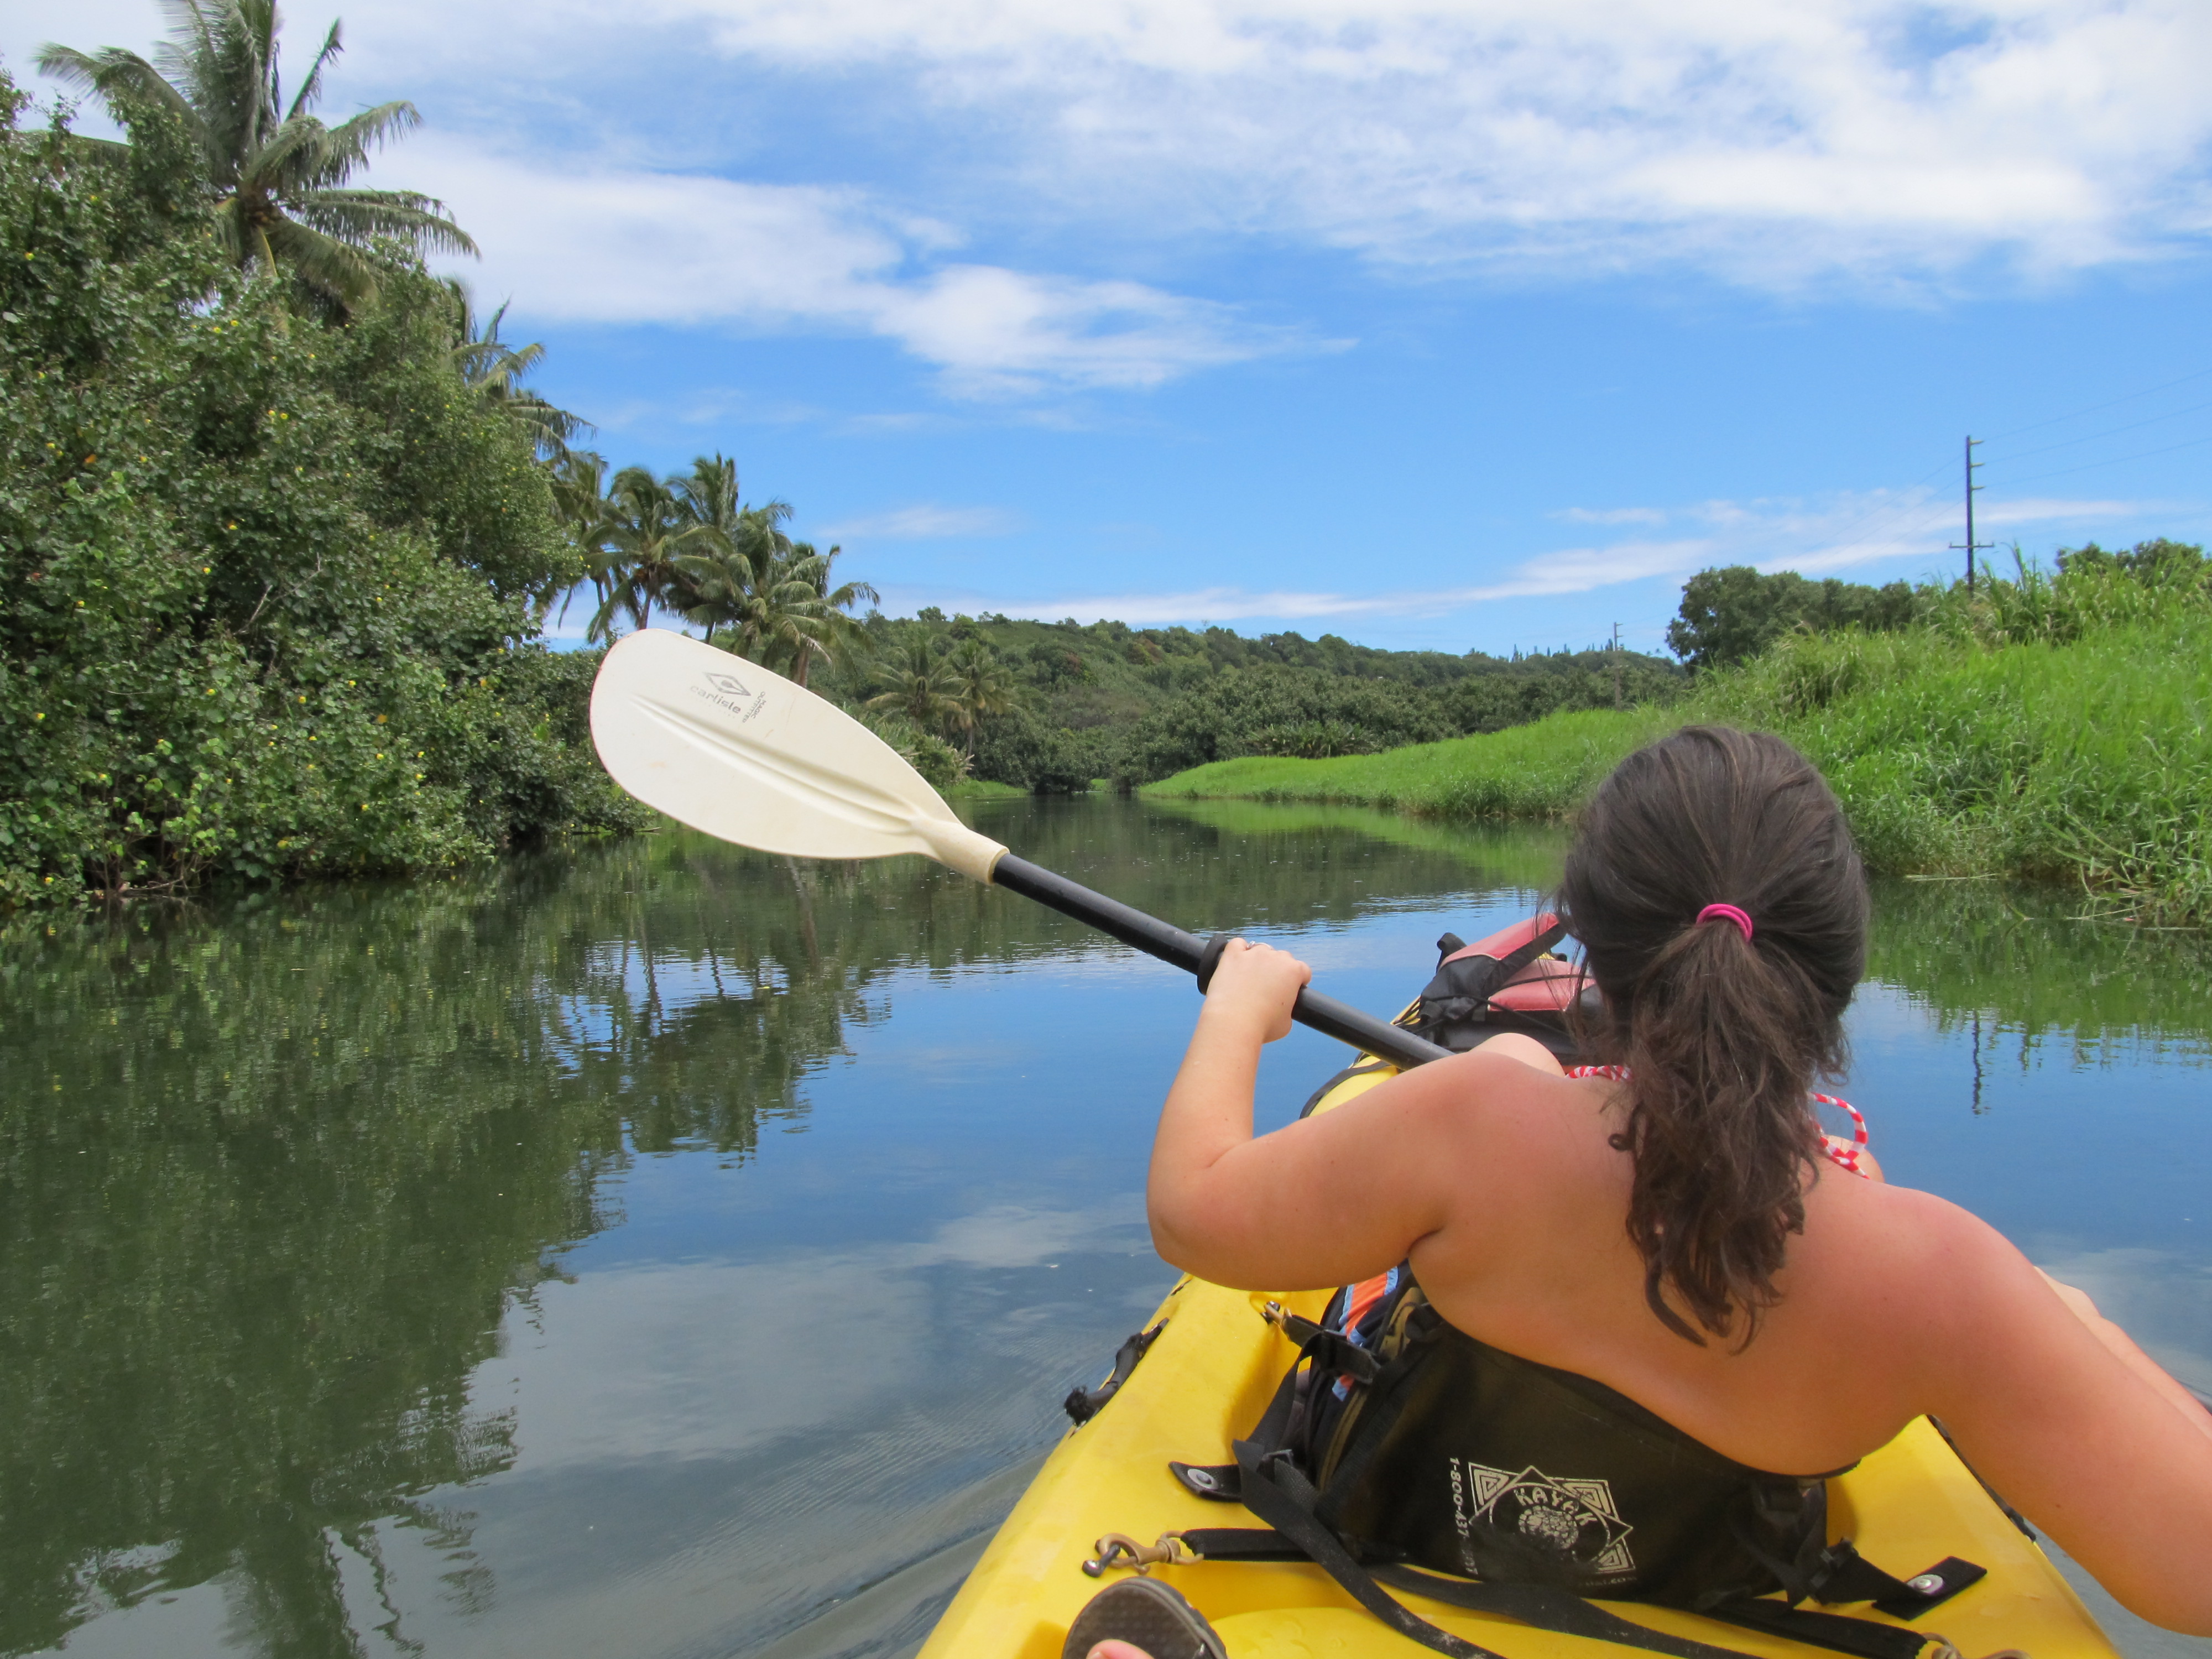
(660, 1250)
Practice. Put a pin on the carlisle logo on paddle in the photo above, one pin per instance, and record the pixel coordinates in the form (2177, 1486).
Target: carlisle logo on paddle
(728, 692)
(1573, 1518)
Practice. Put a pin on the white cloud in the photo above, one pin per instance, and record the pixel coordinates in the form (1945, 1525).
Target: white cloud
(1845, 531)
(1879, 137)
(579, 242)
(1873, 142)
(1611, 514)
(923, 523)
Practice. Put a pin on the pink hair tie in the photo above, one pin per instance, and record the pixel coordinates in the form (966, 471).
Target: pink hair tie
(1725, 913)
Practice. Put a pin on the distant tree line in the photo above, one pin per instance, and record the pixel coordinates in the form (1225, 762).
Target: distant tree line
(1054, 707)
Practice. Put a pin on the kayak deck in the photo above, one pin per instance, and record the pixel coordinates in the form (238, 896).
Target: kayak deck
(1204, 1384)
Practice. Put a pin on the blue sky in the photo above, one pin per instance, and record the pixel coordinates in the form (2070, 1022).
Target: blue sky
(1453, 326)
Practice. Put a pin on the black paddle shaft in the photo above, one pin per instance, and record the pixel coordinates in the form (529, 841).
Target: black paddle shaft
(1185, 950)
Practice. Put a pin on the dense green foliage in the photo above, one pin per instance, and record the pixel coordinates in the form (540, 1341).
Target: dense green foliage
(270, 582)
(2054, 726)
(1730, 614)
(1075, 703)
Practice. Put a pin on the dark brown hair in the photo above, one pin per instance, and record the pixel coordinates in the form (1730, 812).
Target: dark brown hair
(1722, 1035)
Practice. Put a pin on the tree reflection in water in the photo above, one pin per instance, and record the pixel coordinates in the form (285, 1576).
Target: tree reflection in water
(272, 1173)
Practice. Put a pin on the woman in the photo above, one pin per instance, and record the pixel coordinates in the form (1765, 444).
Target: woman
(1676, 1235)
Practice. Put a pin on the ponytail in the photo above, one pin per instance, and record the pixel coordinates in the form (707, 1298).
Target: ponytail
(1722, 910)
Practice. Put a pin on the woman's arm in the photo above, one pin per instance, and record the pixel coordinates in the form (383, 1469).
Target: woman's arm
(2074, 1425)
(1325, 1200)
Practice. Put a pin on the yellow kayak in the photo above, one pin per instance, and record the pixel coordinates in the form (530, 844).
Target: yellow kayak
(1204, 1383)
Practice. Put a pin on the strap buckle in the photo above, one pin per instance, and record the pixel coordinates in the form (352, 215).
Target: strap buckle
(1118, 1549)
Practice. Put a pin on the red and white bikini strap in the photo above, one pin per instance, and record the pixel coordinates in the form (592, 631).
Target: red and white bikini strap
(1859, 1126)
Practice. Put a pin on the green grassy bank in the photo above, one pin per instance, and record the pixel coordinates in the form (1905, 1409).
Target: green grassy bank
(2054, 728)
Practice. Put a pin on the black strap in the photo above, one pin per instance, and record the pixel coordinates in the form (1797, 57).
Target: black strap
(1271, 1492)
(1514, 961)
(1479, 988)
(1240, 1544)
(1333, 1352)
(1083, 1404)
(1546, 1606)
(1836, 1632)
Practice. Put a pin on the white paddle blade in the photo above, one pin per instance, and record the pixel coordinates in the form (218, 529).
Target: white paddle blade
(729, 747)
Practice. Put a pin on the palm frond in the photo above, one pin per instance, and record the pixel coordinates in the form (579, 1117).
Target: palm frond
(311, 90)
(252, 56)
(324, 264)
(193, 53)
(350, 141)
(549, 427)
(289, 160)
(109, 68)
(77, 69)
(495, 369)
(405, 215)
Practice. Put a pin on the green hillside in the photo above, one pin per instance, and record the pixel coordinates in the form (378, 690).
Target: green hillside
(2053, 726)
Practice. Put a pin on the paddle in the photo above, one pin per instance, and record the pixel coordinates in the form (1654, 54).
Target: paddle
(727, 746)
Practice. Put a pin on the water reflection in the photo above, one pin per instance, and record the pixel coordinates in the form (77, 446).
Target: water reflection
(661, 1248)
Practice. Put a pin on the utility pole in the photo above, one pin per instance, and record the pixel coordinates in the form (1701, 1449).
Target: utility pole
(1973, 490)
(1616, 666)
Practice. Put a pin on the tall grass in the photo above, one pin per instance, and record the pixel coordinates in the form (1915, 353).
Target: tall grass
(2054, 727)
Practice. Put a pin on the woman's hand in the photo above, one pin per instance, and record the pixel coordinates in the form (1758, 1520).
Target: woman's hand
(1256, 985)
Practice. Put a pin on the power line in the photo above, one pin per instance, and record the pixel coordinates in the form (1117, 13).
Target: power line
(2109, 403)
(2117, 460)
(2110, 431)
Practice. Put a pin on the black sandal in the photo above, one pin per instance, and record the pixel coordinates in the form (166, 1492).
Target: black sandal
(1146, 1614)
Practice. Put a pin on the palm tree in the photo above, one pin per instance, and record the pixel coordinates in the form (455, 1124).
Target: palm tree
(986, 689)
(775, 591)
(494, 371)
(829, 607)
(278, 175)
(634, 566)
(920, 684)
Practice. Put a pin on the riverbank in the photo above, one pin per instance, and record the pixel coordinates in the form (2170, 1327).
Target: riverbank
(2055, 730)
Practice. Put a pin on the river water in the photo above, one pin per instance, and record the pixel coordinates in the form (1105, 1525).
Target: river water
(660, 1250)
